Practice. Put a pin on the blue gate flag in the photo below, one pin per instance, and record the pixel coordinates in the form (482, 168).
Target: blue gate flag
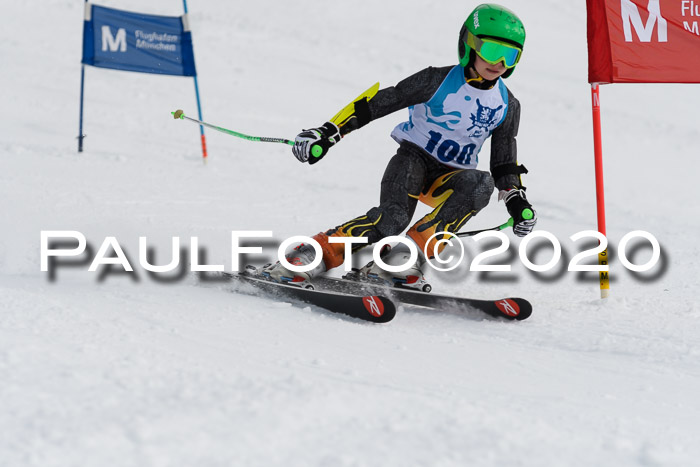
(123, 40)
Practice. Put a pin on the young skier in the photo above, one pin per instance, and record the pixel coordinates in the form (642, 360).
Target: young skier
(452, 111)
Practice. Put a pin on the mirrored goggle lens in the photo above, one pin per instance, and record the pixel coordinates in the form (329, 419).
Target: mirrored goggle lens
(494, 52)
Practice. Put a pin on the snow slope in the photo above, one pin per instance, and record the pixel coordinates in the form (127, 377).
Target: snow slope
(121, 369)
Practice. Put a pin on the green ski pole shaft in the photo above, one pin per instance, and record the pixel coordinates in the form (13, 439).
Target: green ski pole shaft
(527, 214)
(508, 223)
(179, 114)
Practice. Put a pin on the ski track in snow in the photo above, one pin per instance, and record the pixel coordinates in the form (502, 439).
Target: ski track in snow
(115, 369)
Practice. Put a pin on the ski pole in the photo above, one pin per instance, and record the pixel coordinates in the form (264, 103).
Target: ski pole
(179, 114)
(316, 150)
(508, 223)
(527, 214)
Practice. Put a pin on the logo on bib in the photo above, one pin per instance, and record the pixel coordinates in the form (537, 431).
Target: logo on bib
(484, 119)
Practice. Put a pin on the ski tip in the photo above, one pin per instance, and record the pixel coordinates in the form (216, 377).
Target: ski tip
(178, 114)
(514, 308)
(380, 309)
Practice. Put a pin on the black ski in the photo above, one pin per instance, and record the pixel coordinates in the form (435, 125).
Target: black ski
(510, 308)
(369, 307)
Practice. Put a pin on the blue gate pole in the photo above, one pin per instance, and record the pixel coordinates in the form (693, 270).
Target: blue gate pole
(199, 105)
(82, 89)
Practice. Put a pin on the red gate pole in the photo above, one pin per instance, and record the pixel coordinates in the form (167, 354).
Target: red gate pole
(600, 188)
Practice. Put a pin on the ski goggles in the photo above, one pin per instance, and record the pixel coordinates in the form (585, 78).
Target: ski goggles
(493, 51)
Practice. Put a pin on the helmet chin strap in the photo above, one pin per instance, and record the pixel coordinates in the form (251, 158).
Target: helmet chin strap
(478, 82)
(478, 79)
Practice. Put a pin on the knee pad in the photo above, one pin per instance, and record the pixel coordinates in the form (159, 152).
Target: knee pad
(470, 187)
(483, 191)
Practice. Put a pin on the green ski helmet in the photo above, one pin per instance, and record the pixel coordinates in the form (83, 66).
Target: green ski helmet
(495, 33)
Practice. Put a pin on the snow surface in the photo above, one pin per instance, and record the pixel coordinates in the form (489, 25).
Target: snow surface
(121, 369)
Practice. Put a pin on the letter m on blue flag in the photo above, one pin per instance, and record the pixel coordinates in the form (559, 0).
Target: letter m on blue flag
(128, 41)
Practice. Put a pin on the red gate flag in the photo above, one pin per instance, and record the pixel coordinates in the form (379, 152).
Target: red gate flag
(643, 41)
